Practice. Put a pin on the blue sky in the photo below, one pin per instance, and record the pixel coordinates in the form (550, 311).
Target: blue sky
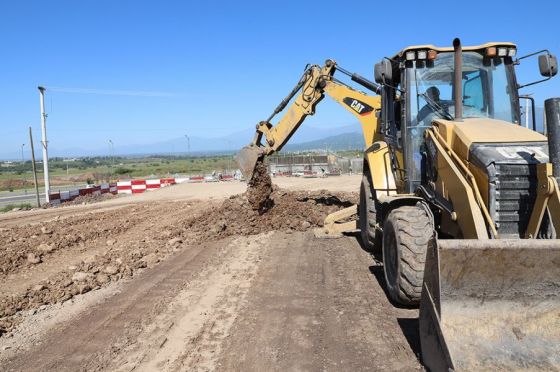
(217, 67)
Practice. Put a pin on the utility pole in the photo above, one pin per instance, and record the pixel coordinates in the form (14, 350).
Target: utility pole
(44, 142)
(23, 168)
(34, 169)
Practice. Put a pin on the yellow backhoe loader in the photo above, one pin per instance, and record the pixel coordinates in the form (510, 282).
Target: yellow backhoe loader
(461, 199)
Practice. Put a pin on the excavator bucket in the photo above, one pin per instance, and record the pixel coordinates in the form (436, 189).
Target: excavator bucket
(247, 159)
(491, 305)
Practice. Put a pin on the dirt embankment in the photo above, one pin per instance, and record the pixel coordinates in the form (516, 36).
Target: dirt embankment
(119, 244)
(90, 199)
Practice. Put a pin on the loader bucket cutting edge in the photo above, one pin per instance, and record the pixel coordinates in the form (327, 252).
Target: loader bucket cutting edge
(247, 159)
(491, 305)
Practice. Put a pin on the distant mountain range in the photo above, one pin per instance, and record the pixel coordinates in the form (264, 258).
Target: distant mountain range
(233, 142)
(343, 141)
(306, 138)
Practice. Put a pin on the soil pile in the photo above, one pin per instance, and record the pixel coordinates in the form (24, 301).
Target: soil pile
(27, 248)
(260, 188)
(45, 239)
(291, 211)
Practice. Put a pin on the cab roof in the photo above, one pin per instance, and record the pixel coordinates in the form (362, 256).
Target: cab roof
(450, 49)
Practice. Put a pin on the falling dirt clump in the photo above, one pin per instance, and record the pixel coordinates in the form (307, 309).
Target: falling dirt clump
(260, 189)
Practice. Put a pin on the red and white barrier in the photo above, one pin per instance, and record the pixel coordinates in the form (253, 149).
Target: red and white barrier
(130, 187)
(124, 187)
(54, 198)
(153, 184)
(139, 186)
(64, 196)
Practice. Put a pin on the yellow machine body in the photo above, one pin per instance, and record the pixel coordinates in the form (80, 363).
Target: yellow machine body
(489, 271)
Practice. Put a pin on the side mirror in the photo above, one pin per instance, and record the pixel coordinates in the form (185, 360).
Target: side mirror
(383, 72)
(548, 65)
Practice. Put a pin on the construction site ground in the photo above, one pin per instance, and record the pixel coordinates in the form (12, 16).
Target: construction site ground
(190, 278)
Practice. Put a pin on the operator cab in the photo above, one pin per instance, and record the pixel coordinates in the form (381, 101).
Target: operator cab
(417, 87)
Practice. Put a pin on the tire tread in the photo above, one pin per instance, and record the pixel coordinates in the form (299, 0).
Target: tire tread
(414, 229)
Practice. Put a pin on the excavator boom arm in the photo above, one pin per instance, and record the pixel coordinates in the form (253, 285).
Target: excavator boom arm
(310, 90)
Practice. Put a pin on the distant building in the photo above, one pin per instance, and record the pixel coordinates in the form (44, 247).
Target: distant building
(296, 164)
(357, 165)
(299, 164)
(7, 164)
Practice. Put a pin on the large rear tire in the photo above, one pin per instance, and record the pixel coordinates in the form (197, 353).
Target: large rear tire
(368, 217)
(406, 233)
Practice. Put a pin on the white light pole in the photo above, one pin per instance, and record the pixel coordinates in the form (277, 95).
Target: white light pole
(44, 142)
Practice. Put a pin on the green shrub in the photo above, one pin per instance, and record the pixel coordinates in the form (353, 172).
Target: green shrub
(122, 170)
(9, 207)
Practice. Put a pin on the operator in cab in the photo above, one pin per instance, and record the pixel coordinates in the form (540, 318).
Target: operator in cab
(426, 113)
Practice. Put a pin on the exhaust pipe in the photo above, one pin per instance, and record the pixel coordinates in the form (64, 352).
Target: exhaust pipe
(552, 112)
(458, 79)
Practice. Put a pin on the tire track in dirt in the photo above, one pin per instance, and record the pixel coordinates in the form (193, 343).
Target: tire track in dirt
(188, 335)
(315, 305)
(276, 301)
(94, 339)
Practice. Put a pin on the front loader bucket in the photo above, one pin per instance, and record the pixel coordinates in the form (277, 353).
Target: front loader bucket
(338, 223)
(491, 305)
(247, 159)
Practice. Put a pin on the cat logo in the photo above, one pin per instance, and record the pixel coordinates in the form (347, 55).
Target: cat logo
(360, 107)
(357, 106)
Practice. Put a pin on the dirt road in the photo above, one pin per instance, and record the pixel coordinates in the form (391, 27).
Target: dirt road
(274, 301)
(272, 297)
